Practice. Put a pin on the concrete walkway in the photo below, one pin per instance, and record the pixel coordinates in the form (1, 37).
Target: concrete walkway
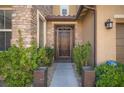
(64, 76)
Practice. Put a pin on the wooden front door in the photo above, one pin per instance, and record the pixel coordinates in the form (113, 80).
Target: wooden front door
(64, 42)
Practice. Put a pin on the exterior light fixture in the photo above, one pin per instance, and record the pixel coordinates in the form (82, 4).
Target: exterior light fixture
(108, 24)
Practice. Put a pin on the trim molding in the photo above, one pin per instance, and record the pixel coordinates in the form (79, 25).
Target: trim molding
(39, 15)
(5, 30)
(1, 8)
(119, 16)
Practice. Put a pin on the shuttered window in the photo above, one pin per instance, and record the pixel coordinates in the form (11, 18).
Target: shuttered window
(5, 29)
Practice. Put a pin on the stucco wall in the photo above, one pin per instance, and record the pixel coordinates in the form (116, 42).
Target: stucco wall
(106, 39)
(88, 32)
(72, 10)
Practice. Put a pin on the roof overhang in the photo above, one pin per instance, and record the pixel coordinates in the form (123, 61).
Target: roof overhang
(83, 10)
(79, 11)
(60, 18)
(69, 18)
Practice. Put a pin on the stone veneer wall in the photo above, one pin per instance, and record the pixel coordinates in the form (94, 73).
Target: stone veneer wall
(24, 18)
(21, 20)
(44, 9)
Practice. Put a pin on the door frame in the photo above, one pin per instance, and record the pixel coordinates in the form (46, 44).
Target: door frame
(72, 38)
(57, 44)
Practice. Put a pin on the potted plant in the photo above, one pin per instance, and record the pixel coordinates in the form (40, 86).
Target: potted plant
(88, 73)
(81, 56)
(45, 59)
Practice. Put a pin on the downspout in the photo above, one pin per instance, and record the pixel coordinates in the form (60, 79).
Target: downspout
(95, 42)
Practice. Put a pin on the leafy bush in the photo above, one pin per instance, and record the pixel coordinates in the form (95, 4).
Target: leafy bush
(81, 54)
(86, 51)
(110, 75)
(46, 56)
(77, 56)
(49, 54)
(18, 66)
(44, 61)
(18, 63)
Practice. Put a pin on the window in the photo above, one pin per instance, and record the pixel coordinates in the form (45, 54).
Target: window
(5, 29)
(41, 36)
(64, 10)
(5, 19)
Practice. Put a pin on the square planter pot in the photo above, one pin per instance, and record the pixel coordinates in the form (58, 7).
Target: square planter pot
(40, 77)
(88, 76)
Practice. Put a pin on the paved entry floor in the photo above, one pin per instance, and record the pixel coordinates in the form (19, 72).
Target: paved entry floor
(64, 76)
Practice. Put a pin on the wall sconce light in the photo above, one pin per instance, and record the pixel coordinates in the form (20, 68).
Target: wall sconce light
(109, 24)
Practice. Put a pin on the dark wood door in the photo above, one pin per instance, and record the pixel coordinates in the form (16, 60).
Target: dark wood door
(63, 43)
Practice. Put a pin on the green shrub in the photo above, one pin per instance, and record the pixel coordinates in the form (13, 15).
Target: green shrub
(18, 66)
(86, 51)
(77, 56)
(109, 75)
(81, 54)
(49, 54)
(44, 61)
(46, 56)
(18, 63)
(3, 59)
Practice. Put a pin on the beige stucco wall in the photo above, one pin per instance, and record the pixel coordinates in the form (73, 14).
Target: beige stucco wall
(72, 10)
(50, 32)
(88, 32)
(106, 39)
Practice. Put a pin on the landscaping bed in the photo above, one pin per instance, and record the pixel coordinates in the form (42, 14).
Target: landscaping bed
(18, 64)
(110, 74)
